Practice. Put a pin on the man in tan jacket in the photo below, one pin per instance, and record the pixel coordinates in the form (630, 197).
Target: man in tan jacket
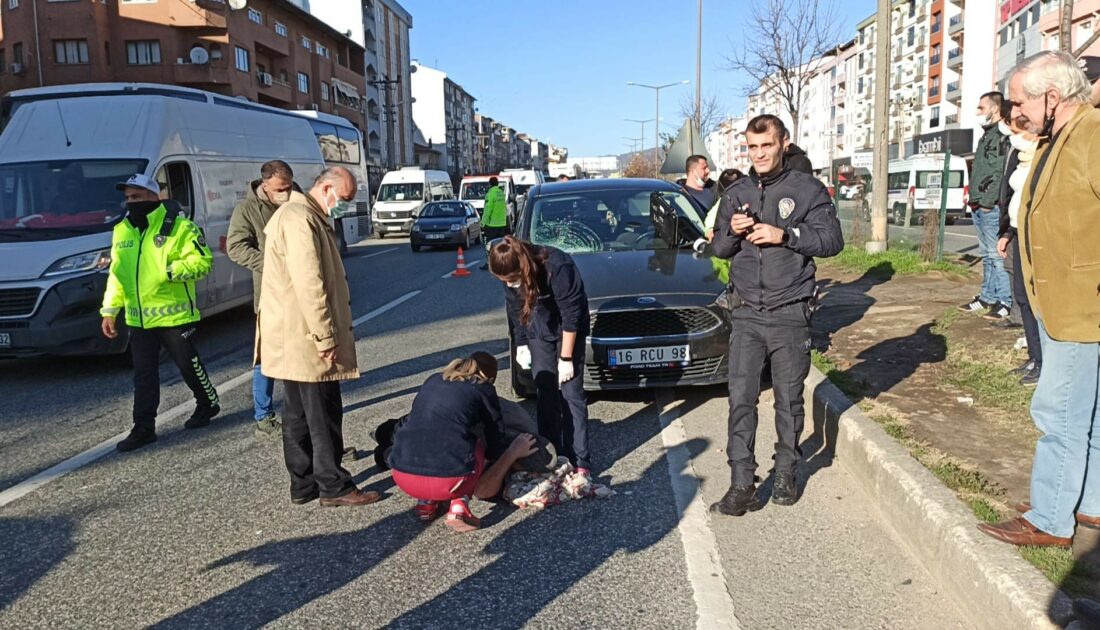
(306, 339)
(1059, 232)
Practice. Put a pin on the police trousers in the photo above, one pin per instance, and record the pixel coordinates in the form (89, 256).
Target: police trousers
(145, 345)
(562, 414)
(781, 336)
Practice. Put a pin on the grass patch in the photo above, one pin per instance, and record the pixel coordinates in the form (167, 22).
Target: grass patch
(852, 387)
(984, 511)
(944, 322)
(892, 262)
(1060, 567)
(990, 385)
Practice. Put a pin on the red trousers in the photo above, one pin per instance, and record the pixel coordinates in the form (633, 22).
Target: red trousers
(442, 488)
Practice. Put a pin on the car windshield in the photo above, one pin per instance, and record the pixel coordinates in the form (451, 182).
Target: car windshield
(47, 200)
(475, 190)
(521, 189)
(443, 211)
(401, 192)
(606, 220)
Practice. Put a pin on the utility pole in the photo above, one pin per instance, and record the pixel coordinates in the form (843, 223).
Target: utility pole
(638, 120)
(880, 167)
(390, 110)
(699, 70)
(657, 121)
(456, 144)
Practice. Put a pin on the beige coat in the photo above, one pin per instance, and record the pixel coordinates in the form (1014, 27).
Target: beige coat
(1059, 231)
(305, 304)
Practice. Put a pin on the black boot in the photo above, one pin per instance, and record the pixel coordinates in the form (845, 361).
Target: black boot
(138, 438)
(785, 488)
(737, 501)
(202, 416)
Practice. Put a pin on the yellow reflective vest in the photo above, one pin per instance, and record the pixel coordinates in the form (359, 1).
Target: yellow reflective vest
(153, 271)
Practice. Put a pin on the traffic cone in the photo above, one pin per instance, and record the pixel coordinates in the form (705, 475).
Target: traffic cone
(460, 266)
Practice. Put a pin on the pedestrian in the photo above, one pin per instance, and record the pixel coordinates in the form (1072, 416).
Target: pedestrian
(1059, 226)
(455, 425)
(985, 187)
(494, 217)
(563, 177)
(771, 225)
(548, 313)
(698, 183)
(305, 337)
(1017, 166)
(245, 246)
(796, 158)
(725, 180)
(156, 256)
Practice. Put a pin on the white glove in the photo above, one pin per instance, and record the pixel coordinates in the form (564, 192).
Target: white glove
(523, 357)
(565, 372)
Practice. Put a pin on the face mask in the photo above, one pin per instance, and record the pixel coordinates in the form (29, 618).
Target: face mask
(339, 208)
(514, 285)
(699, 181)
(1022, 144)
(278, 197)
(141, 208)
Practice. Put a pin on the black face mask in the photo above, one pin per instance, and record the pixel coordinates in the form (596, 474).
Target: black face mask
(141, 208)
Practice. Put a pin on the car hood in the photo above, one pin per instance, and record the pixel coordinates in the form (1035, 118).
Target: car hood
(439, 222)
(670, 277)
(397, 206)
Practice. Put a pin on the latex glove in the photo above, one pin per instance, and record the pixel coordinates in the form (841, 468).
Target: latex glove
(523, 357)
(565, 372)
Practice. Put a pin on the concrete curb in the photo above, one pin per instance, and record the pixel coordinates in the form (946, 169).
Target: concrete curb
(988, 580)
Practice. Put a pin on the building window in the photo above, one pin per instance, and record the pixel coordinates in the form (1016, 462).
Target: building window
(934, 118)
(912, 35)
(937, 22)
(70, 51)
(303, 83)
(324, 91)
(322, 51)
(17, 53)
(255, 16)
(13, 4)
(308, 45)
(242, 59)
(280, 29)
(143, 53)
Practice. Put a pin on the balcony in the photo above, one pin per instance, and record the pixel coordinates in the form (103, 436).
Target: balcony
(934, 60)
(955, 25)
(955, 58)
(918, 74)
(954, 91)
(920, 43)
(934, 91)
(213, 73)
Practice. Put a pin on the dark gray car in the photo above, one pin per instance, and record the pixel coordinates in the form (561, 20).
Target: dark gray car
(446, 223)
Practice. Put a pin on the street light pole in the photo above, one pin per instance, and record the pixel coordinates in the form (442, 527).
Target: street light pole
(657, 122)
(638, 120)
(881, 141)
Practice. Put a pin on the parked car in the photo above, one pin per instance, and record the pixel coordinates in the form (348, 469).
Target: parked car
(446, 223)
(404, 193)
(658, 306)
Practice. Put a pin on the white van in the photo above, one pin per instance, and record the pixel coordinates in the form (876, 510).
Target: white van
(918, 179)
(524, 179)
(474, 188)
(403, 193)
(62, 151)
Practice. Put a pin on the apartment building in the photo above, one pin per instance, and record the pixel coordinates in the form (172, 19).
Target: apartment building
(726, 144)
(862, 115)
(1018, 35)
(1086, 19)
(444, 113)
(393, 80)
(270, 52)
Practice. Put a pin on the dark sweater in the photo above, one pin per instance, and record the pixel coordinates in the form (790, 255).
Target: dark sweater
(562, 305)
(440, 435)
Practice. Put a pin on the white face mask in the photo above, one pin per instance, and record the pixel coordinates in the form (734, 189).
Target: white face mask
(514, 285)
(278, 197)
(1020, 143)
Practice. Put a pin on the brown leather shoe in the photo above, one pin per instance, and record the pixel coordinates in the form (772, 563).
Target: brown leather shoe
(354, 498)
(1024, 507)
(1019, 531)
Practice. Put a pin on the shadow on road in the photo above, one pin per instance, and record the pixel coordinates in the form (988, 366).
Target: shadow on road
(27, 554)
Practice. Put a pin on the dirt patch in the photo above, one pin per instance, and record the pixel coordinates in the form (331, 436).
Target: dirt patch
(904, 350)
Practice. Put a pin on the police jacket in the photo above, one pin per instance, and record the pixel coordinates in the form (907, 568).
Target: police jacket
(771, 276)
(153, 271)
(562, 304)
(439, 437)
(495, 213)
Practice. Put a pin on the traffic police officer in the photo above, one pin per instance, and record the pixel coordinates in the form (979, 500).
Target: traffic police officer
(156, 256)
(494, 217)
(770, 225)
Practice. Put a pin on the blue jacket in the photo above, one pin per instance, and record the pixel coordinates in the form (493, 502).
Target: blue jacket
(562, 305)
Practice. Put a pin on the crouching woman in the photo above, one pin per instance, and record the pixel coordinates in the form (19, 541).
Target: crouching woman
(437, 453)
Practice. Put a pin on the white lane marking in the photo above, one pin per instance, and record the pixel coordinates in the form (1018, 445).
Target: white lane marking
(713, 604)
(55, 472)
(466, 266)
(385, 251)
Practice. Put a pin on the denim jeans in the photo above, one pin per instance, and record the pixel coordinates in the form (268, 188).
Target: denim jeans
(996, 286)
(263, 388)
(1065, 475)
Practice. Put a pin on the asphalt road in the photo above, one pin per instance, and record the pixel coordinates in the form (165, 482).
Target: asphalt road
(197, 530)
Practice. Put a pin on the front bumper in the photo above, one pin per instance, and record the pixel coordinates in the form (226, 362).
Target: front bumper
(390, 226)
(448, 238)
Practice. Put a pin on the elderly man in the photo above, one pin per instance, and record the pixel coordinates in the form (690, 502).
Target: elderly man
(1059, 226)
(305, 337)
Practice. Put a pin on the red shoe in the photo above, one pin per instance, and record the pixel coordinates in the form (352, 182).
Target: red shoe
(459, 517)
(428, 511)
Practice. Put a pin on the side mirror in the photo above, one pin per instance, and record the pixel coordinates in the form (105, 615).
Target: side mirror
(665, 222)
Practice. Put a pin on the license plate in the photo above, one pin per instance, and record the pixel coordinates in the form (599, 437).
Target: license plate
(644, 357)
(5, 340)
(435, 237)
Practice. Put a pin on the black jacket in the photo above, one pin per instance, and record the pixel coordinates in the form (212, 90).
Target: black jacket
(776, 275)
(797, 160)
(440, 434)
(562, 305)
(1004, 229)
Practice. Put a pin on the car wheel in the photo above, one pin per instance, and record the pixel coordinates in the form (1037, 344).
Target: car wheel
(949, 220)
(380, 235)
(467, 246)
(415, 248)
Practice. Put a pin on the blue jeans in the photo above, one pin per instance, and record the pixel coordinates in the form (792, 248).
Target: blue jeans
(1065, 476)
(262, 390)
(996, 285)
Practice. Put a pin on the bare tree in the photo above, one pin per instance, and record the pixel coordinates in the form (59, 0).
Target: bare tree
(709, 115)
(781, 41)
(640, 165)
(1065, 26)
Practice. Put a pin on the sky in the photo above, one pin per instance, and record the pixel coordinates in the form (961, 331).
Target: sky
(558, 71)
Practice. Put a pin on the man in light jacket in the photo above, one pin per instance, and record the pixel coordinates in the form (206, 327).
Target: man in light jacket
(305, 337)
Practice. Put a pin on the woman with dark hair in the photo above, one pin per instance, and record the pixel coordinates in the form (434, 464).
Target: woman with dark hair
(548, 312)
(437, 455)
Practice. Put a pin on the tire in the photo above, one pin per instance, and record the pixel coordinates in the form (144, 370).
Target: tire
(949, 220)
(379, 235)
(415, 248)
(467, 246)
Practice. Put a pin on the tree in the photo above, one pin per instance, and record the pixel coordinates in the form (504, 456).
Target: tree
(782, 40)
(709, 116)
(1065, 26)
(640, 165)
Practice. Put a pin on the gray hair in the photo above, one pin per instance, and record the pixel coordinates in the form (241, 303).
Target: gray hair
(1055, 70)
(334, 175)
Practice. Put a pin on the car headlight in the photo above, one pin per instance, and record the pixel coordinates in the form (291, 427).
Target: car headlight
(456, 227)
(90, 261)
(723, 301)
(416, 227)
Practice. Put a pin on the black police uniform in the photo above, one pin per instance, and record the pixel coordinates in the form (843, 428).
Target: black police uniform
(562, 306)
(772, 286)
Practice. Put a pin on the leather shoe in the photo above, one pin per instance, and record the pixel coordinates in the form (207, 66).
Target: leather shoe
(305, 498)
(1019, 531)
(354, 498)
(1023, 507)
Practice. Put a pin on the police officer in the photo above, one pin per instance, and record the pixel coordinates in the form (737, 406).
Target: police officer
(156, 256)
(494, 217)
(548, 310)
(771, 225)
